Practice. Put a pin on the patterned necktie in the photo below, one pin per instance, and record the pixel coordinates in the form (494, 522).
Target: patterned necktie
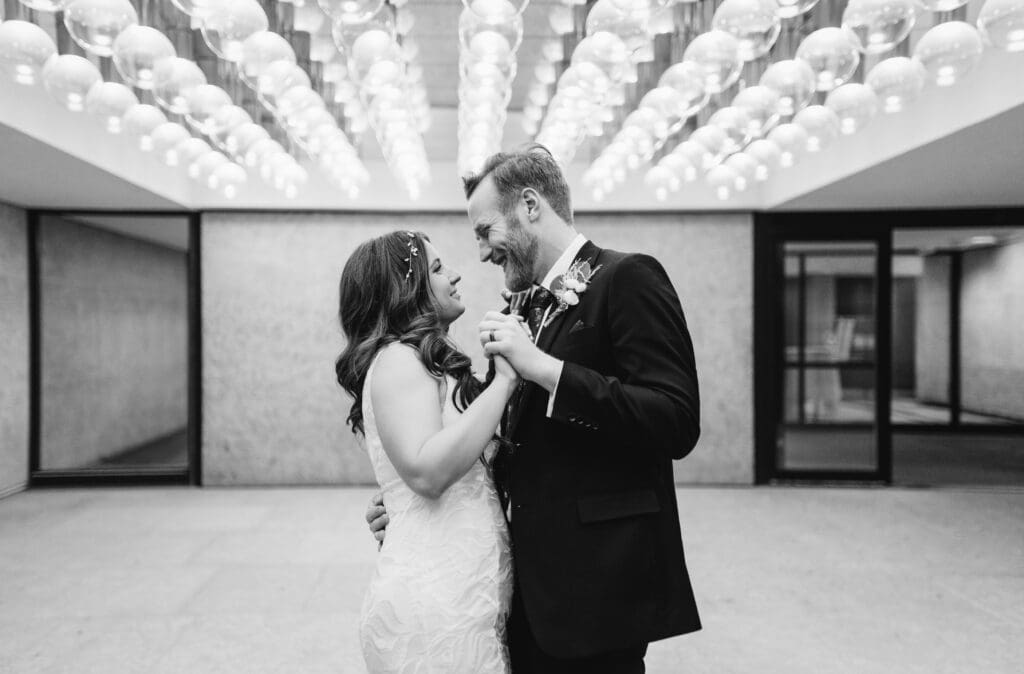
(539, 303)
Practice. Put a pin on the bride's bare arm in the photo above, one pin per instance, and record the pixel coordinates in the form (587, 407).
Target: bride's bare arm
(428, 456)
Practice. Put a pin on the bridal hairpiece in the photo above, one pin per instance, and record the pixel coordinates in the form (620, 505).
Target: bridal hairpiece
(414, 251)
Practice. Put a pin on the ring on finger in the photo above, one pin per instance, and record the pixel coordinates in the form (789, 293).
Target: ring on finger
(490, 337)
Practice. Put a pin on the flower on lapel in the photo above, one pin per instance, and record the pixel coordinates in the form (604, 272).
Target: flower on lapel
(568, 287)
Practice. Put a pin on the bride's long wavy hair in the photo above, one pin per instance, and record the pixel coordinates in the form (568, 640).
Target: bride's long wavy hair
(385, 297)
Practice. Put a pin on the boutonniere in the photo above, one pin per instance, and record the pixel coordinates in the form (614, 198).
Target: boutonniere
(568, 287)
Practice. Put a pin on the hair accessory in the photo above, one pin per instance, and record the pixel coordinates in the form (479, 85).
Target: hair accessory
(414, 251)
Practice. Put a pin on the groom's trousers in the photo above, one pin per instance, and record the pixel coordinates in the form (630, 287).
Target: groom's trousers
(528, 658)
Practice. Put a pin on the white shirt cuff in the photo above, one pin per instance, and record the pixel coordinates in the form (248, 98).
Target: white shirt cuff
(554, 391)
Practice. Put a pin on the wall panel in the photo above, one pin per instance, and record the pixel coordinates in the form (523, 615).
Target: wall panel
(272, 411)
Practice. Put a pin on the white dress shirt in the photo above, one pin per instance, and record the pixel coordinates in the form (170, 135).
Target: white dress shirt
(559, 268)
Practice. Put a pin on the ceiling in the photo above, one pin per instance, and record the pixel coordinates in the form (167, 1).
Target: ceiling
(166, 230)
(961, 146)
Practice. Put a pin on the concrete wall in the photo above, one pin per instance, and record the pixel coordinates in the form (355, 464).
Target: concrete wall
(114, 343)
(992, 332)
(272, 411)
(14, 391)
(931, 355)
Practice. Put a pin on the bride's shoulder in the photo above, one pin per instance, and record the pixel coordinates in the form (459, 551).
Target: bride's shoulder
(399, 365)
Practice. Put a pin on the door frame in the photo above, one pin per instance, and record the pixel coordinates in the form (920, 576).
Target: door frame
(192, 473)
(840, 226)
(771, 231)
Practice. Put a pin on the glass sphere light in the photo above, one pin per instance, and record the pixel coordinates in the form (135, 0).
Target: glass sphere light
(24, 50)
(139, 121)
(736, 123)
(767, 155)
(355, 11)
(821, 125)
(488, 8)
(68, 79)
(229, 23)
(1001, 22)
(754, 24)
(261, 49)
(173, 80)
(879, 25)
(204, 102)
(95, 24)
(696, 154)
(855, 105)
(715, 140)
(787, 9)
(632, 26)
(277, 78)
(225, 121)
(605, 50)
(793, 80)
(189, 150)
(948, 51)
(202, 168)
(896, 81)
(243, 136)
(110, 101)
(661, 181)
(716, 53)
(833, 55)
(941, 5)
(722, 179)
(228, 178)
(136, 51)
(791, 139)
(680, 165)
(166, 138)
(762, 106)
(745, 167)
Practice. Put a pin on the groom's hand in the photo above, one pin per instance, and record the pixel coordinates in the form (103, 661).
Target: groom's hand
(508, 336)
(377, 516)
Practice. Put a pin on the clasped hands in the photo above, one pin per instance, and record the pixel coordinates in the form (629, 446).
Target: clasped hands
(507, 335)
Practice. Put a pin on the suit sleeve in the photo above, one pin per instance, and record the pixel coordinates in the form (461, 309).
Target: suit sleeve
(655, 395)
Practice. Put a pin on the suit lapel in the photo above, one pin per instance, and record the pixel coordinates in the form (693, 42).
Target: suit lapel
(590, 253)
(548, 336)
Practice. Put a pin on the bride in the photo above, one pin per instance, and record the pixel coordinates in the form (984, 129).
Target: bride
(440, 593)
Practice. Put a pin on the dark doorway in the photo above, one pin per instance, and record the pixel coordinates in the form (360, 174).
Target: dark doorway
(114, 352)
(887, 351)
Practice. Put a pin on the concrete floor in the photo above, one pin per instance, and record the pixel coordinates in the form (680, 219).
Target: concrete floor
(789, 580)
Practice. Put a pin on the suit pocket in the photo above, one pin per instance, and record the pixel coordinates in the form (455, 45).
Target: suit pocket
(616, 506)
(580, 347)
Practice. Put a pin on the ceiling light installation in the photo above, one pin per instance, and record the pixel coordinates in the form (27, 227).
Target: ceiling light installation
(490, 32)
(219, 87)
(389, 85)
(731, 92)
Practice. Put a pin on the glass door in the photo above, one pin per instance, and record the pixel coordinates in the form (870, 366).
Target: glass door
(833, 379)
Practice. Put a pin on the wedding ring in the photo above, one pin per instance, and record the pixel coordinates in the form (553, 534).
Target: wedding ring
(491, 336)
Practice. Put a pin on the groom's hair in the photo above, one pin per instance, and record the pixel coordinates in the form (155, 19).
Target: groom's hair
(532, 166)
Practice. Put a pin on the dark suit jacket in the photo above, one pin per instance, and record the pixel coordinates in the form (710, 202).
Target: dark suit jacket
(595, 526)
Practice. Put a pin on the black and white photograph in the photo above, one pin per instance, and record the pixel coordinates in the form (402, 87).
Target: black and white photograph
(511, 336)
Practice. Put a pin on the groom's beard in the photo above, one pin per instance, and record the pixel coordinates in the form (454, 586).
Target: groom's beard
(521, 250)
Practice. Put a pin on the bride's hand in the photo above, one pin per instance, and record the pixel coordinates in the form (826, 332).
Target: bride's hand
(503, 369)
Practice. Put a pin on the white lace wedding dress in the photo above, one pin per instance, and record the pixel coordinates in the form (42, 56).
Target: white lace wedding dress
(440, 594)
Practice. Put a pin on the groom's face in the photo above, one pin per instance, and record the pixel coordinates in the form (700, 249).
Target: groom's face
(503, 240)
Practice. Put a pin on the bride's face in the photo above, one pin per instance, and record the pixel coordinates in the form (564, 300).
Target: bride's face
(443, 280)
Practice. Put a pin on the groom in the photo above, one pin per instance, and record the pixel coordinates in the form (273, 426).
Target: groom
(610, 399)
